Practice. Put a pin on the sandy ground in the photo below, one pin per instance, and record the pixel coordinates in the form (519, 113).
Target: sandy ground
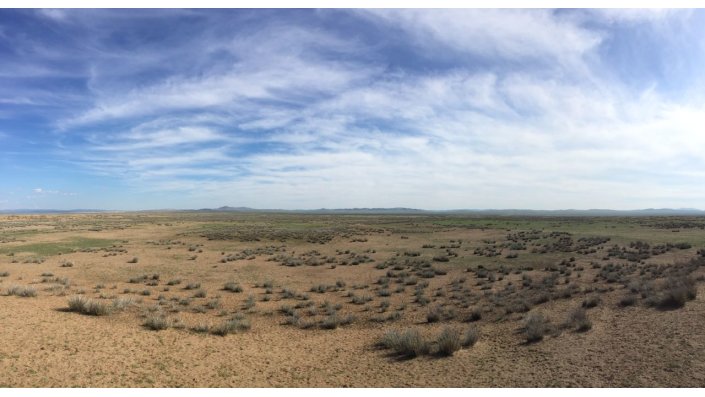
(43, 345)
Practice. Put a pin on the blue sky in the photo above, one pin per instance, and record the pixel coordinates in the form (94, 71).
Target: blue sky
(435, 109)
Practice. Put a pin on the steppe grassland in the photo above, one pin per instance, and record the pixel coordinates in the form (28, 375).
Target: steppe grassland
(230, 299)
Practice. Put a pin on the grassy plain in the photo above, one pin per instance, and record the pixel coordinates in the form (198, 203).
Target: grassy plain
(200, 299)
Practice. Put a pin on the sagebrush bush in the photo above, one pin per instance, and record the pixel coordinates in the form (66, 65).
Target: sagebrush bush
(232, 287)
(330, 322)
(591, 301)
(250, 302)
(675, 292)
(122, 303)
(627, 300)
(535, 327)
(578, 320)
(23, 292)
(390, 340)
(474, 315)
(472, 335)
(449, 341)
(200, 328)
(434, 314)
(230, 326)
(156, 322)
(410, 343)
(87, 306)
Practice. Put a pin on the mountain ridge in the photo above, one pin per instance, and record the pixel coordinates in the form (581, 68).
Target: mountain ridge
(399, 211)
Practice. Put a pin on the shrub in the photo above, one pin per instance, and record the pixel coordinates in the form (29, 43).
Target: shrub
(250, 302)
(193, 286)
(156, 323)
(471, 337)
(676, 292)
(23, 292)
(390, 340)
(292, 319)
(449, 341)
(174, 282)
(213, 304)
(288, 310)
(474, 315)
(87, 306)
(200, 328)
(122, 303)
(133, 260)
(330, 322)
(201, 293)
(627, 300)
(422, 300)
(320, 288)
(434, 314)
(535, 327)
(232, 287)
(231, 326)
(578, 320)
(591, 301)
(4, 274)
(139, 279)
(408, 344)
(361, 300)
(413, 344)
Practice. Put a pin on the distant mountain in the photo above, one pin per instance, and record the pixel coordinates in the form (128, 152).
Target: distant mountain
(479, 212)
(231, 209)
(408, 211)
(320, 210)
(590, 212)
(395, 210)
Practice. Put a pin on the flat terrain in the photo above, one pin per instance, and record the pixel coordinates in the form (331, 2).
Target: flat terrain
(288, 300)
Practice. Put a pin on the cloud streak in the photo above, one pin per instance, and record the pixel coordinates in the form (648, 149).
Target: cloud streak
(433, 109)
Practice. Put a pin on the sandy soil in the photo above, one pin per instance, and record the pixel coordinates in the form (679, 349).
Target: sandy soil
(44, 345)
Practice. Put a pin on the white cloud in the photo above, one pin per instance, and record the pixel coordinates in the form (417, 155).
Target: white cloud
(351, 133)
(506, 33)
(636, 15)
(283, 67)
(53, 13)
(40, 191)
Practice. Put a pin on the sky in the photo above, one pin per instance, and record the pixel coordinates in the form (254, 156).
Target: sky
(305, 109)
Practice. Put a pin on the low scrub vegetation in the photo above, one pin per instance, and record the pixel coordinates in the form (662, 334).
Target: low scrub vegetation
(87, 306)
(410, 343)
(535, 327)
(22, 291)
(578, 320)
(156, 322)
(233, 325)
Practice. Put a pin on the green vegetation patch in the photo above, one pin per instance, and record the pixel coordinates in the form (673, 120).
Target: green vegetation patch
(61, 247)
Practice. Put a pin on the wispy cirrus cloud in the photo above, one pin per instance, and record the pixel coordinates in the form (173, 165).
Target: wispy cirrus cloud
(430, 109)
